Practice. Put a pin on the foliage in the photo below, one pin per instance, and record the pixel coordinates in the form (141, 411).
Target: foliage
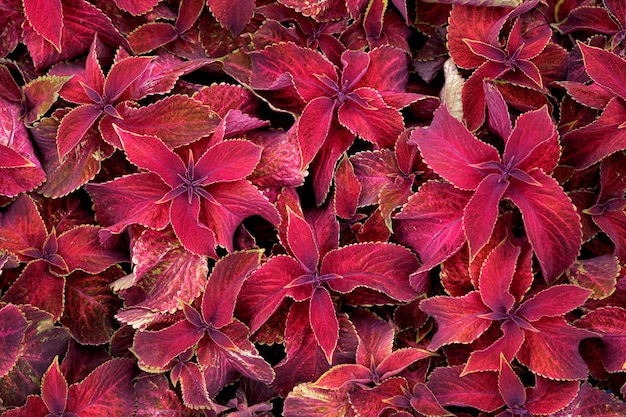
(322, 208)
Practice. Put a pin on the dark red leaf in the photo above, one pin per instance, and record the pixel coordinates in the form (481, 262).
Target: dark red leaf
(12, 327)
(54, 388)
(478, 390)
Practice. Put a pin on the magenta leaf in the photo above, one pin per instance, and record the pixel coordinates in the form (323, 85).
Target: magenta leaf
(511, 387)
(136, 7)
(324, 322)
(548, 215)
(606, 322)
(42, 342)
(90, 306)
(154, 395)
(478, 390)
(224, 285)
(380, 266)
(431, 223)
(445, 148)
(54, 388)
(233, 17)
(13, 325)
(46, 18)
(459, 318)
(106, 391)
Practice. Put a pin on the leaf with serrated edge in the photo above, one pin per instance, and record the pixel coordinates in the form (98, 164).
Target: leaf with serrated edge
(12, 327)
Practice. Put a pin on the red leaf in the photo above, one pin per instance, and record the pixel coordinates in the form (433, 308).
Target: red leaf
(38, 287)
(82, 250)
(224, 285)
(511, 387)
(431, 223)
(380, 266)
(550, 396)
(605, 68)
(366, 114)
(264, 291)
(164, 273)
(12, 327)
(230, 160)
(481, 212)
(496, 277)
(54, 388)
(42, 342)
(46, 18)
(458, 318)
(594, 402)
(81, 21)
(74, 127)
(154, 395)
(324, 321)
(598, 274)
(151, 36)
(177, 120)
(348, 189)
(130, 199)
(314, 126)
(308, 400)
(608, 323)
(552, 351)
(232, 16)
(551, 222)
(90, 306)
(106, 391)
(156, 349)
(194, 235)
(136, 7)
(193, 387)
(478, 390)
(507, 346)
(606, 135)
(552, 302)
(21, 227)
(451, 150)
(301, 242)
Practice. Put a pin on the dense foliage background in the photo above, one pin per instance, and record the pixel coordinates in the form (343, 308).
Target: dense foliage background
(312, 208)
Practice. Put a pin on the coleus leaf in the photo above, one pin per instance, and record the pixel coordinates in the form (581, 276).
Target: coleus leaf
(154, 395)
(20, 168)
(136, 7)
(606, 323)
(233, 17)
(12, 335)
(81, 21)
(164, 274)
(54, 388)
(317, 402)
(90, 306)
(42, 342)
(46, 18)
(593, 401)
(478, 390)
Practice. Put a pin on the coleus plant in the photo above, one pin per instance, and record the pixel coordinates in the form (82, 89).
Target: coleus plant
(323, 208)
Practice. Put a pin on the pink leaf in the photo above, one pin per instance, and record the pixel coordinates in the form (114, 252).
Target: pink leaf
(232, 16)
(554, 301)
(54, 388)
(324, 321)
(458, 318)
(47, 19)
(507, 346)
(380, 266)
(549, 216)
(157, 348)
(431, 223)
(106, 391)
(478, 390)
(224, 285)
(195, 236)
(12, 327)
(302, 242)
(451, 150)
(552, 351)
